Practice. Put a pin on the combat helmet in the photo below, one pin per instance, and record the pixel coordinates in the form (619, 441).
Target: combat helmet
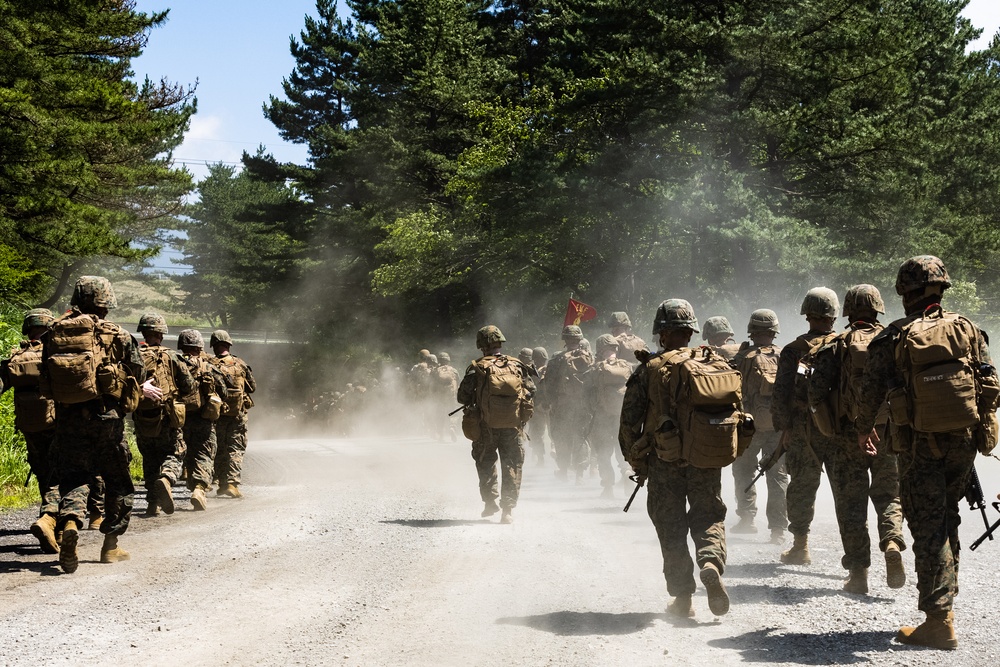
(861, 299)
(190, 338)
(675, 314)
(93, 292)
(820, 302)
(572, 331)
(919, 272)
(524, 356)
(619, 319)
(605, 341)
(444, 358)
(540, 356)
(36, 317)
(153, 323)
(220, 336)
(716, 325)
(763, 320)
(488, 337)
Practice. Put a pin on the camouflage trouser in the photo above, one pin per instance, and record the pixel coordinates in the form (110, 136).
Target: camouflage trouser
(849, 479)
(199, 438)
(231, 439)
(503, 444)
(934, 475)
(162, 454)
(807, 452)
(84, 446)
(671, 488)
(568, 443)
(39, 445)
(603, 443)
(536, 429)
(744, 470)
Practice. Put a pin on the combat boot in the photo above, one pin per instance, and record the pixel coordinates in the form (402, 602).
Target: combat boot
(198, 501)
(233, 491)
(799, 553)
(506, 517)
(857, 581)
(938, 631)
(718, 598)
(44, 531)
(152, 509)
(67, 547)
(777, 536)
(745, 526)
(96, 519)
(681, 607)
(223, 490)
(895, 573)
(164, 494)
(110, 552)
(490, 509)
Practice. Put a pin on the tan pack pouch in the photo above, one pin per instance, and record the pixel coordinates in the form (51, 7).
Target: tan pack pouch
(762, 413)
(176, 413)
(824, 418)
(525, 410)
(713, 387)
(131, 392)
(472, 423)
(944, 398)
(667, 440)
(110, 380)
(32, 413)
(72, 377)
(211, 409)
(899, 406)
(712, 438)
(233, 402)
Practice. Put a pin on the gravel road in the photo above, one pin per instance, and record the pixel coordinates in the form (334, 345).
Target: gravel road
(371, 552)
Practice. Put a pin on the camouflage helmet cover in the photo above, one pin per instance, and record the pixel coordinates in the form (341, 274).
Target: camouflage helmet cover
(190, 338)
(488, 336)
(585, 345)
(93, 291)
(220, 336)
(716, 325)
(424, 354)
(152, 322)
(524, 355)
(675, 314)
(761, 320)
(36, 317)
(619, 319)
(539, 355)
(863, 298)
(919, 272)
(433, 359)
(444, 357)
(820, 302)
(572, 331)
(605, 341)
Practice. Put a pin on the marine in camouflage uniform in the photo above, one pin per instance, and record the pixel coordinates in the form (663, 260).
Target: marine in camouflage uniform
(681, 499)
(231, 427)
(849, 474)
(90, 436)
(159, 441)
(762, 329)
(807, 450)
(537, 430)
(418, 380)
(493, 444)
(563, 396)
(718, 335)
(444, 383)
(199, 431)
(605, 387)
(935, 468)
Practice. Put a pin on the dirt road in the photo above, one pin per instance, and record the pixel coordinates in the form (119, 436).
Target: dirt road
(372, 552)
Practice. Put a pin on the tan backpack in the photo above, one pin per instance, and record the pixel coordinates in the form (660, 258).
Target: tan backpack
(82, 362)
(159, 367)
(611, 378)
(760, 368)
(33, 413)
(235, 375)
(854, 355)
(502, 397)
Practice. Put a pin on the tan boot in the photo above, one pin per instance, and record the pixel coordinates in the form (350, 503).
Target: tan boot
(233, 491)
(164, 494)
(745, 526)
(799, 553)
(490, 509)
(857, 581)
(895, 573)
(938, 631)
(110, 552)
(67, 547)
(223, 490)
(777, 536)
(506, 516)
(681, 607)
(96, 519)
(44, 531)
(718, 598)
(198, 500)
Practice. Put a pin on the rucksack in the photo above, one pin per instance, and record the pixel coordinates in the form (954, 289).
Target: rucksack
(82, 360)
(565, 377)
(502, 397)
(445, 380)
(760, 368)
(824, 414)
(937, 356)
(159, 367)
(610, 379)
(702, 422)
(853, 356)
(25, 365)
(33, 413)
(235, 376)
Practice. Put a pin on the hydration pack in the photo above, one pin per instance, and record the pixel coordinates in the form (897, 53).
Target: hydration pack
(502, 397)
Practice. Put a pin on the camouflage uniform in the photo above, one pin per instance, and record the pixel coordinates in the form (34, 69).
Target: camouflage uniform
(935, 468)
(231, 429)
(199, 433)
(849, 473)
(538, 429)
(444, 383)
(681, 499)
(564, 398)
(605, 387)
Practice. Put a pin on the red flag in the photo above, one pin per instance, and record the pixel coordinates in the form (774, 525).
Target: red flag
(577, 312)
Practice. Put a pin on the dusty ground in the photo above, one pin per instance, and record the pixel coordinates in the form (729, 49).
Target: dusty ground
(372, 552)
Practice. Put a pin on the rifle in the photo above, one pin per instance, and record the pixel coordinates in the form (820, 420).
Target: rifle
(974, 496)
(771, 460)
(461, 407)
(989, 530)
(639, 482)
(28, 479)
